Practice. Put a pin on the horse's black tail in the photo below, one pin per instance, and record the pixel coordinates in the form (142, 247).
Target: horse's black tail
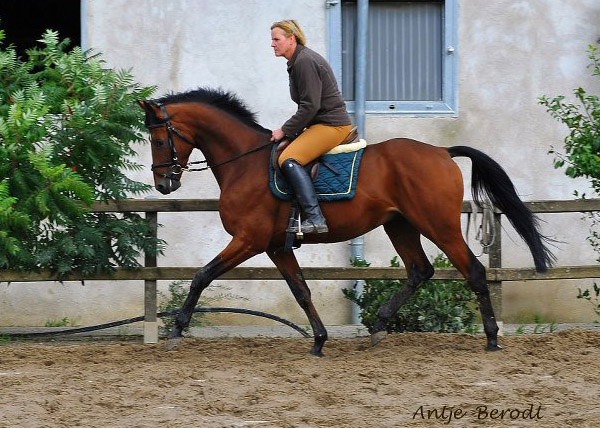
(489, 179)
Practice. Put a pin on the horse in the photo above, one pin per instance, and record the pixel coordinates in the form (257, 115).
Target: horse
(410, 188)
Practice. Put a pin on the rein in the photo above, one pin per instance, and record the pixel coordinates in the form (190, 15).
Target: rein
(176, 169)
(205, 168)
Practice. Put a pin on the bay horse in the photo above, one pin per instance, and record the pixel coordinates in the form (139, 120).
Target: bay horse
(410, 188)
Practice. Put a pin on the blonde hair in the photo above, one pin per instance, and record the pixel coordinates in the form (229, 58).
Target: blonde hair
(289, 27)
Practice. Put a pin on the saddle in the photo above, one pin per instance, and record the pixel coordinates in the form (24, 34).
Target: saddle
(312, 167)
(336, 181)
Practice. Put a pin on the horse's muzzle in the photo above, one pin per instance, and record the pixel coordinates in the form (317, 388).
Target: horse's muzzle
(166, 186)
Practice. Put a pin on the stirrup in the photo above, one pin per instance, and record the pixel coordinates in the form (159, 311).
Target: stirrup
(307, 226)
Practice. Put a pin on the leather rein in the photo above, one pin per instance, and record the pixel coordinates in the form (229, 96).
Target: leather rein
(176, 168)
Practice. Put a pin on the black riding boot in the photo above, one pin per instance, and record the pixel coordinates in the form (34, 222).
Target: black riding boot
(312, 217)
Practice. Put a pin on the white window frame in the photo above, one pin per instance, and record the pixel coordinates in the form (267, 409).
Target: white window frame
(449, 104)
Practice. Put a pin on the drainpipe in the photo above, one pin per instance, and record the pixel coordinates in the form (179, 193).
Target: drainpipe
(357, 245)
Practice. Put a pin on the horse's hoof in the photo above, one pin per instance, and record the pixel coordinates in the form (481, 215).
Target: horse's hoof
(378, 337)
(173, 343)
(493, 348)
(316, 352)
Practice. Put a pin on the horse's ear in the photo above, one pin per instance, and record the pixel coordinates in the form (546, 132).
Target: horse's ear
(143, 104)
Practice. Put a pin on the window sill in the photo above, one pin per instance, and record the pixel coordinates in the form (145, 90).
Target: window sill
(405, 108)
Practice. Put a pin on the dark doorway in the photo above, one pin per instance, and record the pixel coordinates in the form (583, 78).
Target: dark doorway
(24, 21)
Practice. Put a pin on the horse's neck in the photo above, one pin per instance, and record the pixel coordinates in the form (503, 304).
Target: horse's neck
(222, 138)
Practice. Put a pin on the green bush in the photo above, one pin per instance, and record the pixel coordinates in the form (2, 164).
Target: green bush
(68, 126)
(437, 306)
(582, 118)
(593, 297)
(580, 156)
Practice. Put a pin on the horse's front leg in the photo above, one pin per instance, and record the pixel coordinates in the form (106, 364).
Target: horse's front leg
(235, 253)
(289, 268)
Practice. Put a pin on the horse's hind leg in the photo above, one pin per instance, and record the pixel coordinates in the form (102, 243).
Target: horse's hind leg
(473, 270)
(288, 266)
(436, 215)
(407, 242)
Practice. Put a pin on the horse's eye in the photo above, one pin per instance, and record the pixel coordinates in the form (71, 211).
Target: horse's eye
(158, 143)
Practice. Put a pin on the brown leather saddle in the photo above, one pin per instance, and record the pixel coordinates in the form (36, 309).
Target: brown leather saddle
(312, 167)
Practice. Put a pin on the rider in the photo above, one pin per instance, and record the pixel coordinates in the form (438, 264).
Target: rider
(321, 110)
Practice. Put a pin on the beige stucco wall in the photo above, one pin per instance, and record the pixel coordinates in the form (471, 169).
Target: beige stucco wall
(510, 53)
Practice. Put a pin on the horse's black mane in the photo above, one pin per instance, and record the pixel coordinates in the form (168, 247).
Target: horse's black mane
(219, 98)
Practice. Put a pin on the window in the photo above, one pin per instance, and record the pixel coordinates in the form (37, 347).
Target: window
(411, 55)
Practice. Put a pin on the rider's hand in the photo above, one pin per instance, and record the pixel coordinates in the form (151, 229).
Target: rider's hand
(277, 135)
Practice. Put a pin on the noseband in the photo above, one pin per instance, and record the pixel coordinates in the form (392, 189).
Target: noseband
(175, 167)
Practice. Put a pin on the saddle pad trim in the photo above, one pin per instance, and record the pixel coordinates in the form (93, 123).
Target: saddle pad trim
(348, 148)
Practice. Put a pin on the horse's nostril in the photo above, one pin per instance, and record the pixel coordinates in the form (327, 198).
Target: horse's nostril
(162, 189)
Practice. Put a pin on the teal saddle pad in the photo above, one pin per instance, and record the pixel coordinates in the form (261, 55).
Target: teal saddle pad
(336, 180)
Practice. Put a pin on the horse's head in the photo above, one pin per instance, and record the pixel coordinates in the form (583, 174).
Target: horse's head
(171, 148)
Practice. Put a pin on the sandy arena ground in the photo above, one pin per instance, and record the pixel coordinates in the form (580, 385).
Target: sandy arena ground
(419, 379)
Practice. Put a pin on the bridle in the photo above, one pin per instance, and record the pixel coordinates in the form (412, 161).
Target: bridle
(176, 168)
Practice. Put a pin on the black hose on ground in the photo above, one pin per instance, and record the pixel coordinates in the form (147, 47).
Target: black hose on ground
(159, 315)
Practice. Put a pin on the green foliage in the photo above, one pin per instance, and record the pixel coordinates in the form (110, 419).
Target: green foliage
(582, 150)
(544, 328)
(581, 157)
(582, 144)
(64, 322)
(593, 297)
(539, 327)
(68, 125)
(173, 301)
(438, 305)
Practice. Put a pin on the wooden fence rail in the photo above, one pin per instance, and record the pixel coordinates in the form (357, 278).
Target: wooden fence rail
(327, 273)
(150, 273)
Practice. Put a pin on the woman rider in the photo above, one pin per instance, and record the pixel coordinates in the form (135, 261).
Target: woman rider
(321, 110)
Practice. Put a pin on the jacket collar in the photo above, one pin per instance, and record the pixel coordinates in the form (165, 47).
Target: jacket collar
(291, 62)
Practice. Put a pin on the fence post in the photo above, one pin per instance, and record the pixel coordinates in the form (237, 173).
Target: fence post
(495, 261)
(150, 306)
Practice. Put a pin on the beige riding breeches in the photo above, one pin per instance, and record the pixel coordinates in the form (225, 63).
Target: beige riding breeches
(313, 142)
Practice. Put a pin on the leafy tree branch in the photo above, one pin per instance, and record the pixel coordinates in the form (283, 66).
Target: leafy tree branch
(68, 125)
